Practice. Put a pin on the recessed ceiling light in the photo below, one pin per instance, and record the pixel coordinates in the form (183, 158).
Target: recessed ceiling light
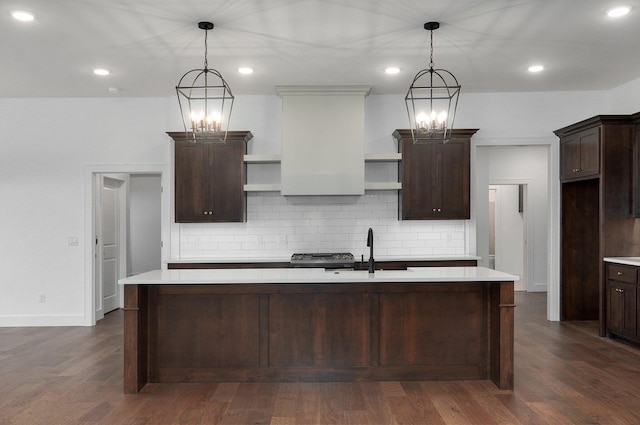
(392, 70)
(101, 71)
(22, 15)
(245, 70)
(536, 68)
(616, 12)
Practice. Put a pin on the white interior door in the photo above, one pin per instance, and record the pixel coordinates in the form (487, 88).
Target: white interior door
(510, 242)
(110, 243)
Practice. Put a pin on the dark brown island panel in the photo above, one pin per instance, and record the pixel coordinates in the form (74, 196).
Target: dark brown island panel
(275, 332)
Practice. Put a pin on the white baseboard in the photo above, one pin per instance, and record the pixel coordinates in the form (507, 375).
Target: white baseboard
(41, 320)
(538, 287)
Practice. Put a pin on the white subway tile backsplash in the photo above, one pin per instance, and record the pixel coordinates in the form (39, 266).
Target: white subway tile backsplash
(278, 226)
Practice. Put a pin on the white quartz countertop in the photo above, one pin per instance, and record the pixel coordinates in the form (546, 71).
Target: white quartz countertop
(630, 261)
(295, 275)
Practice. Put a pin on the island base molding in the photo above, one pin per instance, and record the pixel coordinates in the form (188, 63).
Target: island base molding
(316, 332)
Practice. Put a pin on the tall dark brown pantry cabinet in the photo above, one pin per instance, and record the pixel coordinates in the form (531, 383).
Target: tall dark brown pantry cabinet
(596, 174)
(209, 179)
(435, 177)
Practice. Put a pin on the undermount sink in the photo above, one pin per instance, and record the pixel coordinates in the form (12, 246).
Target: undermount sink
(360, 273)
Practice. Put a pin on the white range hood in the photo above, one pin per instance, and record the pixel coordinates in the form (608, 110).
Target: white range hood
(322, 139)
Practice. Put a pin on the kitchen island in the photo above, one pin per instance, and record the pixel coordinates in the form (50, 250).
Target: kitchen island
(273, 325)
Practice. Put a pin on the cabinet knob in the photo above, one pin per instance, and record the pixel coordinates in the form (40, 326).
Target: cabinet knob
(434, 210)
(439, 210)
(620, 290)
(620, 273)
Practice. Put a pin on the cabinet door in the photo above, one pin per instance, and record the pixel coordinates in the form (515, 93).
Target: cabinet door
(209, 181)
(226, 182)
(621, 308)
(191, 182)
(435, 180)
(637, 315)
(569, 156)
(453, 175)
(580, 154)
(590, 152)
(420, 197)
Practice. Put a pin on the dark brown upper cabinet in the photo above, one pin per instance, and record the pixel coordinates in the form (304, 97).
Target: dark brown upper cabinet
(580, 155)
(435, 177)
(210, 178)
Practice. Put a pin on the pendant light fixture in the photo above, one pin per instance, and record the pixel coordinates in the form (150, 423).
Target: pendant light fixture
(432, 101)
(205, 101)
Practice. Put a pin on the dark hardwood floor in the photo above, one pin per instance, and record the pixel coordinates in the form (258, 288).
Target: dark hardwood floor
(564, 374)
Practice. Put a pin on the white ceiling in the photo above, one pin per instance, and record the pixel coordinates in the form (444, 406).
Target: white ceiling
(148, 44)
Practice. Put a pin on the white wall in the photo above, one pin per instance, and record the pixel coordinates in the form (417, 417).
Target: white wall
(144, 223)
(626, 98)
(46, 146)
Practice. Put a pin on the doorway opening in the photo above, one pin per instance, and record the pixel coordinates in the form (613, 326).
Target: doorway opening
(508, 235)
(125, 232)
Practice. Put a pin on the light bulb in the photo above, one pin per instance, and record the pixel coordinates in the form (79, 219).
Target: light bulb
(22, 15)
(617, 12)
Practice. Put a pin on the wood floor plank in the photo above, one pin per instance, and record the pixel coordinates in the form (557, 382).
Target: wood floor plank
(447, 407)
(564, 374)
(485, 396)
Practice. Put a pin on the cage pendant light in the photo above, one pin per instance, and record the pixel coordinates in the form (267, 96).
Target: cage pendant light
(432, 100)
(205, 101)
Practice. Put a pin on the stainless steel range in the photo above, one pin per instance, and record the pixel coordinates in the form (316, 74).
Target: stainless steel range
(341, 260)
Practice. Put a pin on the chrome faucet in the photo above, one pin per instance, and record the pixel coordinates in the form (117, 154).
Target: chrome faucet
(370, 245)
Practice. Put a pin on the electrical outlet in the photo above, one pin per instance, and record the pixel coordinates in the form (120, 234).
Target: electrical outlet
(42, 297)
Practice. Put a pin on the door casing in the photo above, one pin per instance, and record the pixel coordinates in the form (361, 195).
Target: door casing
(92, 174)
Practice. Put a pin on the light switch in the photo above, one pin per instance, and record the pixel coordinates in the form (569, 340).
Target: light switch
(72, 241)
